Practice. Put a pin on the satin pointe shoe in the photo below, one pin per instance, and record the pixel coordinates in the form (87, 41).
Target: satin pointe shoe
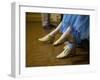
(66, 52)
(47, 39)
(58, 42)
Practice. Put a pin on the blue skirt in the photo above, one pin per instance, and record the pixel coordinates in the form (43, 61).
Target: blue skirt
(79, 25)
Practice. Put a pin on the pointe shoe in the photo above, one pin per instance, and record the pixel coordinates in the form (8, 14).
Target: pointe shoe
(58, 42)
(47, 39)
(66, 52)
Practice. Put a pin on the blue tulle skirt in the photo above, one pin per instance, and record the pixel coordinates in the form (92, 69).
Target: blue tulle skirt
(79, 25)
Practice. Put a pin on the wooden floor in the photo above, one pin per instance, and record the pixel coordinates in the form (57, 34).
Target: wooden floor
(39, 54)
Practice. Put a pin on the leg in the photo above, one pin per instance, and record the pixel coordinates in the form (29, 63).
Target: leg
(50, 37)
(55, 31)
(69, 48)
(64, 36)
(45, 19)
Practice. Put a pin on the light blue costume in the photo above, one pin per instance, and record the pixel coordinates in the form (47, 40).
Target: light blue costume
(79, 25)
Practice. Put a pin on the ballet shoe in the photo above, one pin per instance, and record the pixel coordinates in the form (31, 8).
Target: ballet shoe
(66, 52)
(58, 42)
(47, 39)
